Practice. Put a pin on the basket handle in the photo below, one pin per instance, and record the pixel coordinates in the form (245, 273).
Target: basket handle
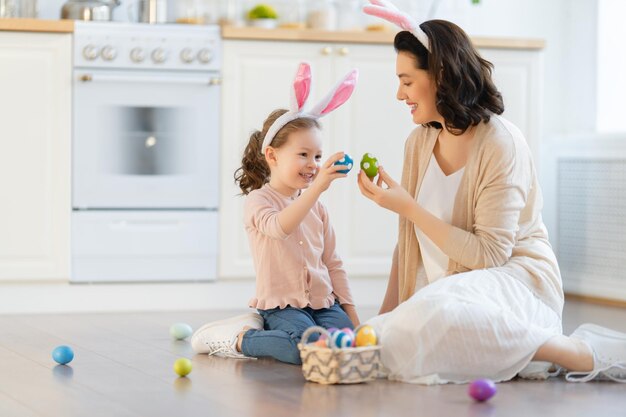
(311, 330)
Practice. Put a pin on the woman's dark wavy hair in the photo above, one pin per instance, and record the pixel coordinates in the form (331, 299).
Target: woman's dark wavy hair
(466, 94)
(254, 172)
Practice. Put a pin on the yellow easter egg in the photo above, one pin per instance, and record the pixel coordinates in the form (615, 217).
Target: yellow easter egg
(182, 366)
(366, 336)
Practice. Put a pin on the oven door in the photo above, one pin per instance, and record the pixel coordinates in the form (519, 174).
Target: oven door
(145, 140)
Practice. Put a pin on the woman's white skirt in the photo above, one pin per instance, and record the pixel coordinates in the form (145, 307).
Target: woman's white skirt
(478, 324)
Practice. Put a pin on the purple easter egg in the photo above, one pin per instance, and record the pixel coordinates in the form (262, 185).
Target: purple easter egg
(482, 389)
(330, 331)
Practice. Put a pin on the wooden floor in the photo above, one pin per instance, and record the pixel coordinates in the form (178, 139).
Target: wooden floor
(123, 367)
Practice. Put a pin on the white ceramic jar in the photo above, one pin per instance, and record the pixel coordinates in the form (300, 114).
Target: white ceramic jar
(322, 15)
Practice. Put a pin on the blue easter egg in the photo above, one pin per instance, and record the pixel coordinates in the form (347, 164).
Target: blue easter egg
(63, 354)
(347, 161)
(348, 331)
(341, 339)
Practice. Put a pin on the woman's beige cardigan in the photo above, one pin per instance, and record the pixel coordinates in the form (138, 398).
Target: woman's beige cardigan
(496, 217)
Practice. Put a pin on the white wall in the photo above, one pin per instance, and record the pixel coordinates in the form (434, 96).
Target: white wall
(611, 66)
(581, 54)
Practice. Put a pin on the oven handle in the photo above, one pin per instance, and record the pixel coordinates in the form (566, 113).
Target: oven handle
(142, 224)
(88, 77)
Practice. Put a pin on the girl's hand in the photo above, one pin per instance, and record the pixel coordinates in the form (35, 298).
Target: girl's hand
(351, 312)
(394, 197)
(327, 172)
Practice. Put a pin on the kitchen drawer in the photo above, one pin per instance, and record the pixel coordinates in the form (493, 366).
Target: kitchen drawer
(139, 246)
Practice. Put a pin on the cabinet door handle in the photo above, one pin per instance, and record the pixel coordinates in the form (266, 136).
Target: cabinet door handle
(344, 51)
(327, 50)
(86, 78)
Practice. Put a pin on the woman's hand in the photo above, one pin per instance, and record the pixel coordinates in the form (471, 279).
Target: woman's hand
(327, 172)
(394, 197)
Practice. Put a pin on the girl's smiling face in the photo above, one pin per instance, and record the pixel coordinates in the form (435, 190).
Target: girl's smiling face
(295, 164)
(417, 89)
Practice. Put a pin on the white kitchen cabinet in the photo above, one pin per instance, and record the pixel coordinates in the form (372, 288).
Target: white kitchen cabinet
(35, 111)
(257, 79)
(518, 74)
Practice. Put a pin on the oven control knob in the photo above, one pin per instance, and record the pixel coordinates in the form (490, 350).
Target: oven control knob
(186, 55)
(137, 55)
(90, 52)
(108, 53)
(205, 56)
(159, 56)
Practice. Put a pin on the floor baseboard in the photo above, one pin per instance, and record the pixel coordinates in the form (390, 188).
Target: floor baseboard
(76, 298)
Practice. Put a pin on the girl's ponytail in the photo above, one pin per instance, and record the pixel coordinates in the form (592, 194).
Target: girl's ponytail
(254, 171)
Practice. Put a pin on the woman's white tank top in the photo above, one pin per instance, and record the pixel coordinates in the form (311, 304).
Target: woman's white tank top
(437, 195)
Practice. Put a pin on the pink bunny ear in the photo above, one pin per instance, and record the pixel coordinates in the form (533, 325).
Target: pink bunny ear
(384, 3)
(301, 87)
(337, 96)
(396, 17)
(387, 11)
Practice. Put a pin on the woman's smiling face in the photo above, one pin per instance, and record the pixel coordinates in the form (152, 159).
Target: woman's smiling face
(417, 89)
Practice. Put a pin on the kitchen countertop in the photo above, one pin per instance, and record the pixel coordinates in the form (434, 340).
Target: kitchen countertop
(37, 25)
(382, 36)
(305, 35)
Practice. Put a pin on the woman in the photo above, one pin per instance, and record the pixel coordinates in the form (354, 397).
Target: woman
(475, 289)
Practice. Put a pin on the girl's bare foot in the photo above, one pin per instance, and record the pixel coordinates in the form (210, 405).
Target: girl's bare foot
(240, 337)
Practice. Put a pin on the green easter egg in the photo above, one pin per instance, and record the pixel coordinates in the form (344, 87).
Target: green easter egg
(182, 366)
(369, 165)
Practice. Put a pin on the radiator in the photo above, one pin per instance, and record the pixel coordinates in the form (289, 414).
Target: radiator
(584, 181)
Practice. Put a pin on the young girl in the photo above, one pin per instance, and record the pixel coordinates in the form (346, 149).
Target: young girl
(475, 288)
(300, 279)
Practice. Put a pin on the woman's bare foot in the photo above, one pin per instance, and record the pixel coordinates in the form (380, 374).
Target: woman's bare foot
(570, 353)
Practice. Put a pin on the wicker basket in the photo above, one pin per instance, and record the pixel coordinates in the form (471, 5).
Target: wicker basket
(338, 366)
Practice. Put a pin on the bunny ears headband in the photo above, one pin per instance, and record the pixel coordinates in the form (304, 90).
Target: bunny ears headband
(300, 93)
(385, 10)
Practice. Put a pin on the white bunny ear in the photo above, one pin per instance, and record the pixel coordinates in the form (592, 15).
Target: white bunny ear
(301, 87)
(337, 96)
(387, 11)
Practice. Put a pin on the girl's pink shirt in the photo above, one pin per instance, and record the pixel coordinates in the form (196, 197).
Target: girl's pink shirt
(301, 269)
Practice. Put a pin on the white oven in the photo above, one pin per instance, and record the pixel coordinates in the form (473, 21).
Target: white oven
(145, 140)
(145, 153)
